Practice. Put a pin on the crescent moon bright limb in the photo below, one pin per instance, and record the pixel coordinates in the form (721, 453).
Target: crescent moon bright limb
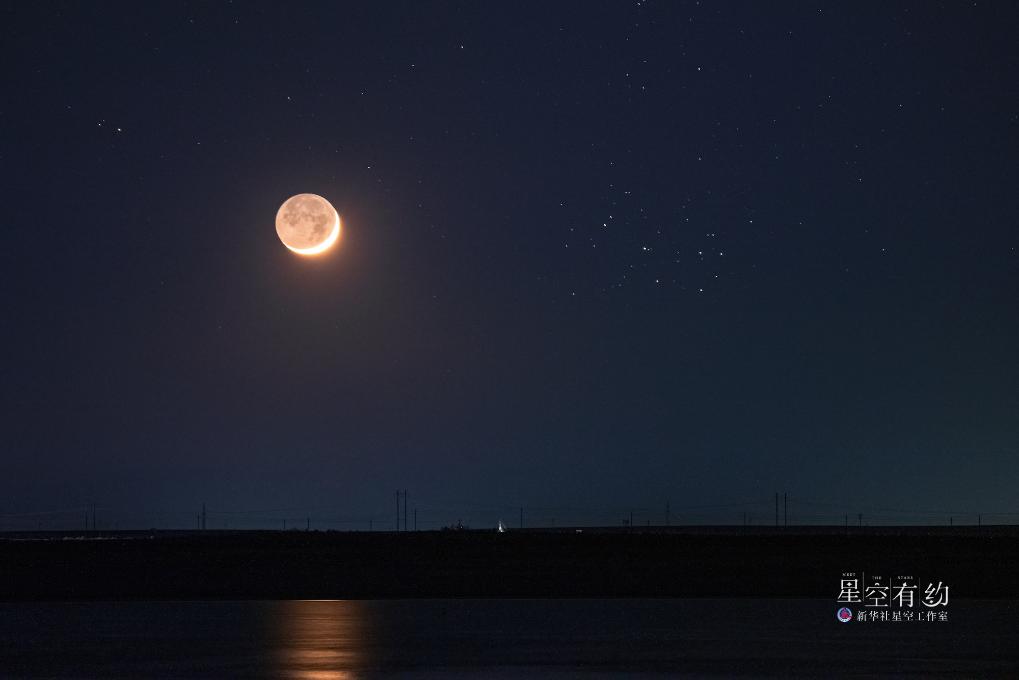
(321, 247)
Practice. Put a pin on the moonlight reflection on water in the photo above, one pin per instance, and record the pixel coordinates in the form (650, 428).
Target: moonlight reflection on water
(322, 639)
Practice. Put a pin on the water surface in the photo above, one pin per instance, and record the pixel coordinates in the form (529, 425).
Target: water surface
(497, 639)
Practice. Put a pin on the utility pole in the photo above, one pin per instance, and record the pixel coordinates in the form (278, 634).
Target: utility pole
(307, 526)
(203, 517)
(979, 518)
(860, 518)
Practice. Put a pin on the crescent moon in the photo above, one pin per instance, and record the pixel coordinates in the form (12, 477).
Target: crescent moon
(303, 224)
(321, 247)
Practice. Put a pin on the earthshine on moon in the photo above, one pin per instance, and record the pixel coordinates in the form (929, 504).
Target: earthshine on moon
(307, 224)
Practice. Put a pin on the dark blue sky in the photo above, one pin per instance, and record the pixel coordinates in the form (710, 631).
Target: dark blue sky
(596, 256)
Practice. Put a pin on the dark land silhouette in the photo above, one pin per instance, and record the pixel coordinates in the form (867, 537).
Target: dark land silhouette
(564, 562)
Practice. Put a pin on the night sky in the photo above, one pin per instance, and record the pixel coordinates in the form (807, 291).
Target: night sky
(596, 257)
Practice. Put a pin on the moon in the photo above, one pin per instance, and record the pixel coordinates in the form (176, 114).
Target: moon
(307, 224)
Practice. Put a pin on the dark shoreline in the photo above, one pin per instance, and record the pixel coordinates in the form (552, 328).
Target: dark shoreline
(655, 562)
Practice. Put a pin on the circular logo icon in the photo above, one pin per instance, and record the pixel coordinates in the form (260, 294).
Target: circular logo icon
(845, 615)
